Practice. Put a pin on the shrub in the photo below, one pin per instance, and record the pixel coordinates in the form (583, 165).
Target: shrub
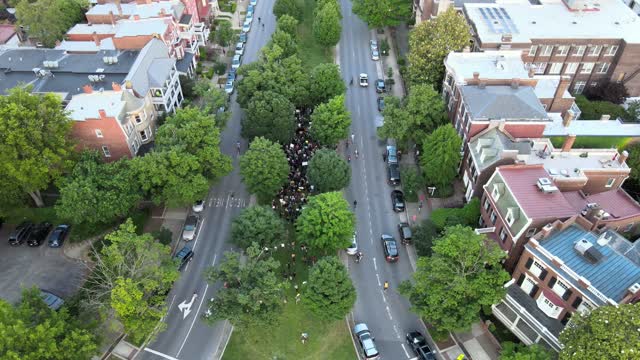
(203, 53)
(402, 61)
(468, 215)
(384, 47)
(412, 181)
(593, 110)
(220, 68)
(164, 236)
(423, 236)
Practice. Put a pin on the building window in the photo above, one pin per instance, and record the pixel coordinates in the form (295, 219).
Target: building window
(611, 50)
(546, 50)
(509, 218)
(584, 307)
(532, 50)
(449, 80)
(610, 182)
(486, 204)
(99, 133)
(143, 135)
(571, 68)
(586, 68)
(595, 50)
(536, 269)
(495, 193)
(138, 119)
(579, 87)
(530, 232)
(559, 288)
(562, 50)
(549, 308)
(555, 68)
(603, 68)
(503, 235)
(580, 50)
(105, 151)
(528, 285)
(492, 217)
(539, 68)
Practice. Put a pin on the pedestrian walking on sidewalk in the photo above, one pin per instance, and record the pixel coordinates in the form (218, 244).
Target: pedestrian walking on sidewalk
(420, 207)
(355, 203)
(356, 152)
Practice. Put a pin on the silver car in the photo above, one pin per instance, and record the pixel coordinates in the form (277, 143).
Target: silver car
(190, 228)
(353, 248)
(240, 48)
(375, 56)
(367, 342)
(228, 87)
(235, 63)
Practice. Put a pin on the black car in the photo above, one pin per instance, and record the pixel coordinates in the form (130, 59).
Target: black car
(20, 233)
(390, 248)
(39, 233)
(405, 232)
(380, 88)
(397, 199)
(393, 174)
(380, 103)
(419, 345)
(184, 256)
(58, 235)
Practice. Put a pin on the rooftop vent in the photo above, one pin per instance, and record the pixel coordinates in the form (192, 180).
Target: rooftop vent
(585, 248)
(634, 288)
(546, 186)
(603, 239)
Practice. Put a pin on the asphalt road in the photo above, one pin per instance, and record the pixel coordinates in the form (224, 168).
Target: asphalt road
(385, 312)
(187, 336)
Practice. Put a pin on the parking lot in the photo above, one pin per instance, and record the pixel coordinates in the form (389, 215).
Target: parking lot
(47, 268)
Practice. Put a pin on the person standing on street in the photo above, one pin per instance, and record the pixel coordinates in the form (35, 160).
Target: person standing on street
(355, 203)
(386, 285)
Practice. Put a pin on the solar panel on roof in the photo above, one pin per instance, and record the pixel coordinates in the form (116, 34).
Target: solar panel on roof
(505, 13)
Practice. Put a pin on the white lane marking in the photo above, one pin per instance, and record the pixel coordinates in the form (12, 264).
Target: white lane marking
(214, 259)
(204, 295)
(384, 298)
(389, 313)
(197, 237)
(404, 347)
(375, 264)
(395, 328)
(185, 307)
(378, 277)
(159, 354)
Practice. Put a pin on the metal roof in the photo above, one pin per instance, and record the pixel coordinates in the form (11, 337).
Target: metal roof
(503, 102)
(616, 202)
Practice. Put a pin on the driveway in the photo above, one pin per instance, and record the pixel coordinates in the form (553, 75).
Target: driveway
(23, 267)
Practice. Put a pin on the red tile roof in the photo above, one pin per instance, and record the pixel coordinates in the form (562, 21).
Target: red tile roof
(522, 179)
(616, 202)
(6, 32)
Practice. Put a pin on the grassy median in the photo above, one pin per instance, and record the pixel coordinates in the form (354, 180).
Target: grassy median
(311, 53)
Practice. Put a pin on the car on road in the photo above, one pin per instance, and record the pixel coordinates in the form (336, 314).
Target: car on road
(249, 16)
(405, 232)
(246, 26)
(235, 62)
(184, 256)
(380, 87)
(397, 199)
(353, 248)
(375, 55)
(419, 345)
(390, 248)
(391, 154)
(198, 206)
(364, 79)
(20, 233)
(59, 234)
(39, 234)
(380, 102)
(373, 44)
(243, 37)
(240, 48)
(232, 74)
(251, 8)
(393, 174)
(253, 2)
(54, 302)
(190, 227)
(366, 341)
(228, 87)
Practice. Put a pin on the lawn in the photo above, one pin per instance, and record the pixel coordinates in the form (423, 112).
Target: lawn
(327, 339)
(594, 142)
(311, 53)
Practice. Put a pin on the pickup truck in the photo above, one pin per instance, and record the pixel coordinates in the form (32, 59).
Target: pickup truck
(419, 346)
(364, 79)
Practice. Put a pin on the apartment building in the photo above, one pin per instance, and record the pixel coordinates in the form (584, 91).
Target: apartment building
(588, 170)
(591, 42)
(201, 8)
(114, 122)
(519, 200)
(426, 10)
(567, 268)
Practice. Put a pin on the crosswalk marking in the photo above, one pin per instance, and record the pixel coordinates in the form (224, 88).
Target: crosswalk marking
(228, 202)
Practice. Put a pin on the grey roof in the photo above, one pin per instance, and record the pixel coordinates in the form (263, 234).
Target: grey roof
(151, 68)
(493, 143)
(529, 304)
(185, 19)
(458, 4)
(503, 102)
(183, 64)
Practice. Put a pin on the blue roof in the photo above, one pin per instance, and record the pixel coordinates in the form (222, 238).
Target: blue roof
(612, 275)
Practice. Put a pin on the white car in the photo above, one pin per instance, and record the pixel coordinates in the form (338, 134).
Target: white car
(228, 88)
(375, 56)
(246, 26)
(249, 16)
(240, 48)
(364, 79)
(198, 206)
(373, 44)
(235, 63)
(253, 2)
(353, 248)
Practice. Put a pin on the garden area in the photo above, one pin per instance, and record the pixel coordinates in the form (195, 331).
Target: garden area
(594, 142)
(311, 52)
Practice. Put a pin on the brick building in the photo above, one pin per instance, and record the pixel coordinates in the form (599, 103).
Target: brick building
(425, 10)
(591, 42)
(567, 268)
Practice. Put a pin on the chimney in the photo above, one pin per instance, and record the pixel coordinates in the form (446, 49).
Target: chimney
(113, 18)
(568, 117)
(119, 7)
(116, 87)
(623, 157)
(506, 38)
(532, 72)
(515, 83)
(563, 85)
(88, 89)
(605, 117)
(568, 142)
(96, 39)
(476, 75)
(103, 114)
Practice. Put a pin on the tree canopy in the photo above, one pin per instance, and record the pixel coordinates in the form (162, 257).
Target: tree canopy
(325, 83)
(429, 44)
(328, 171)
(330, 122)
(441, 156)
(264, 168)
(258, 224)
(32, 331)
(381, 13)
(269, 115)
(326, 222)
(286, 42)
(329, 293)
(288, 7)
(512, 351)
(424, 234)
(35, 144)
(288, 24)
(463, 274)
(49, 20)
(224, 33)
(607, 332)
(326, 24)
(212, 99)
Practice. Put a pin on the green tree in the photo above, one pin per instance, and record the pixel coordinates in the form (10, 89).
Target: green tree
(513, 351)
(288, 24)
(326, 223)
(463, 274)
(430, 42)
(32, 331)
(288, 7)
(424, 236)
(49, 20)
(441, 155)
(607, 332)
(264, 168)
(171, 176)
(194, 132)
(330, 122)
(285, 41)
(328, 171)
(131, 274)
(211, 99)
(325, 83)
(224, 33)
(258, 224)
(633, 161)
(329, 293)
(97, 192)
(35, 144)
(381, 13)
(412, 182)
(269, 115)
(252, 292)
(326, 25)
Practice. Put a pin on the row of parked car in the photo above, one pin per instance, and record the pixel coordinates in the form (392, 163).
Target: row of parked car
(240, 46)
(35, 234)
(415, 339)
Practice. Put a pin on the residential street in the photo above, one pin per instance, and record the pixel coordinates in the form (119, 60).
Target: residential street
(189, 337)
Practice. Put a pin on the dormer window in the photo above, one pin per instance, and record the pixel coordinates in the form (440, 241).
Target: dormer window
(496, 192)
(512, 215)
(548, 306)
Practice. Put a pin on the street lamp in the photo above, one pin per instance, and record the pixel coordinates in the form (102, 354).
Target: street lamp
(432, 190)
